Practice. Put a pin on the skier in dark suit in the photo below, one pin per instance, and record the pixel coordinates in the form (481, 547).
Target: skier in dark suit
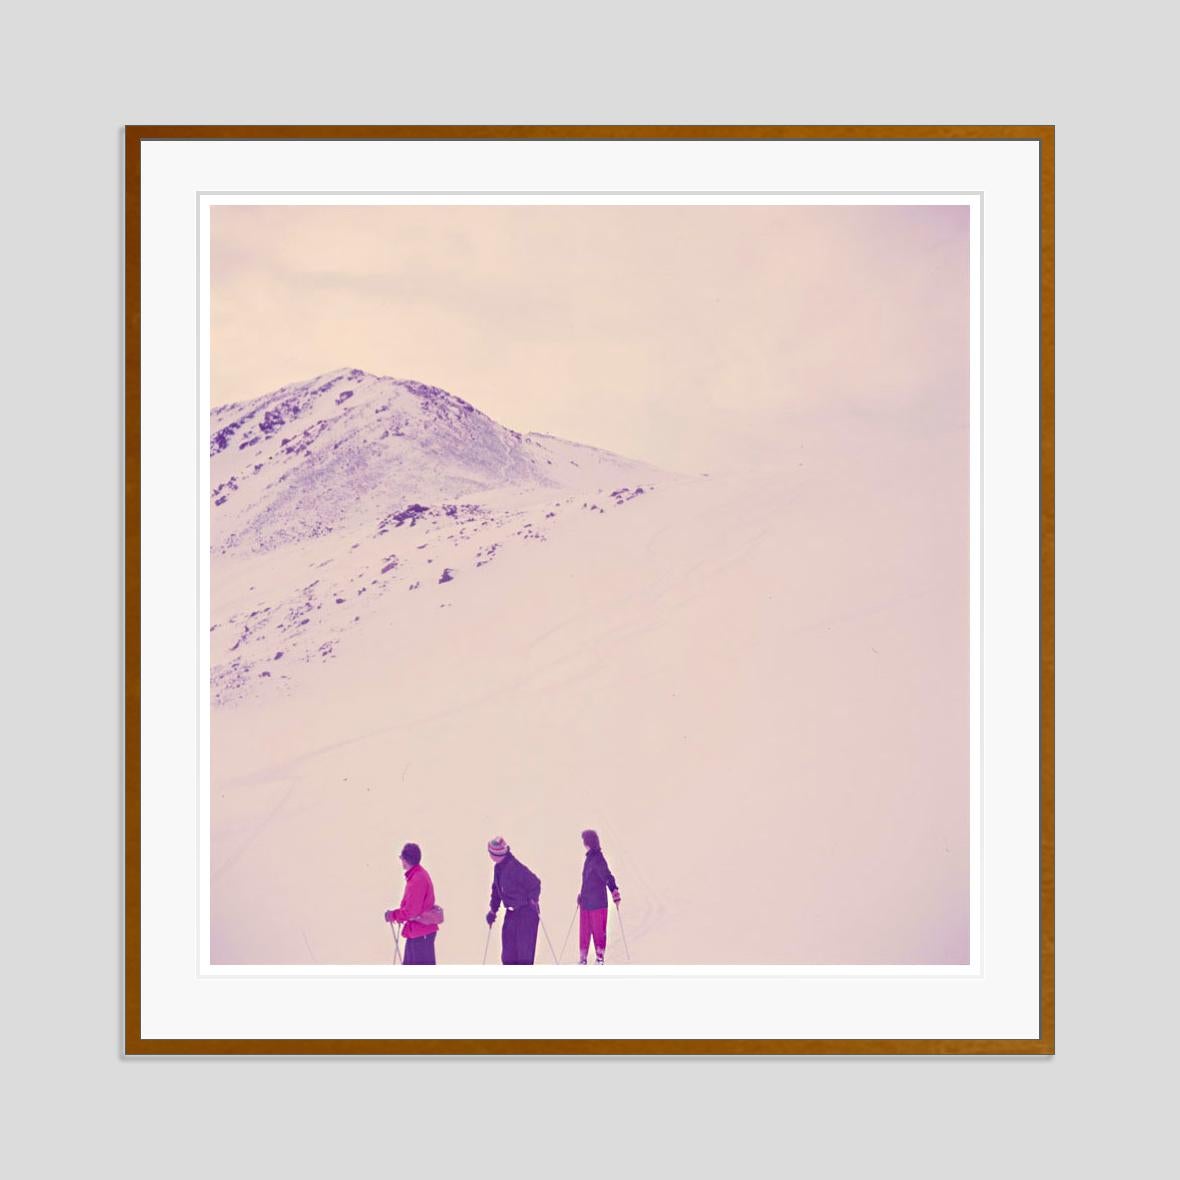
(520, 890)
(592, 908)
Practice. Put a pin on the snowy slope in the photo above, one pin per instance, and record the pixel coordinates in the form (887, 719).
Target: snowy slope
(753, 685)
(331, 494)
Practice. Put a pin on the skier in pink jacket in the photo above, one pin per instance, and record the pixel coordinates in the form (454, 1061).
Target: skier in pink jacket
(418, 897)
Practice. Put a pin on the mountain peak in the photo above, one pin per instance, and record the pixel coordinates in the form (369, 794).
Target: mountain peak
(317, 456)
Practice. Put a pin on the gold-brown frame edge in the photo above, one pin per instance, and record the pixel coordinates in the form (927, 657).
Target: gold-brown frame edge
(134, 1043)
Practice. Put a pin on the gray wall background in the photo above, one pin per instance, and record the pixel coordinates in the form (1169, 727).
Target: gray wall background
(76, 73)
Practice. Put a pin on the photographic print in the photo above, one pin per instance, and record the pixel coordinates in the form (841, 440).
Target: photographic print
(631, 542)
(589, 590)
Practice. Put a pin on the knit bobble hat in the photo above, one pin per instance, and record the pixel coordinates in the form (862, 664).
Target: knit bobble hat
(498, 848)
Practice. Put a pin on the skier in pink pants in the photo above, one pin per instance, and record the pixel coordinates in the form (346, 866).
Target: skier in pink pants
(592, 901)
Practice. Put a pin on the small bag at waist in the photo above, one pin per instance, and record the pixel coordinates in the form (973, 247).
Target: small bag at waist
(430, 917)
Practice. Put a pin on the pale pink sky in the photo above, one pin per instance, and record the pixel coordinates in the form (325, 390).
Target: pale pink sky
(695, 337)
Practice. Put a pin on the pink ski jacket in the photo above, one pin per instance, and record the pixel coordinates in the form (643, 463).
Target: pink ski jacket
(419, 896)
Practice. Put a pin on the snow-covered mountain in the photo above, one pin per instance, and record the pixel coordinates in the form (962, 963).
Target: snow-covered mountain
(329, 494)
(428, 627)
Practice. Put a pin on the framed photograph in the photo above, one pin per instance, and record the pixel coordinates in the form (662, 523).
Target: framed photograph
(589, 590)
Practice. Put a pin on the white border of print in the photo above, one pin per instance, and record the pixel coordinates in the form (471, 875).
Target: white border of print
(995, 996)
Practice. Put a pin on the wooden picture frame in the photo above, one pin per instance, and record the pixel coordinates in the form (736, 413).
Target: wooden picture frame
(139, 1042)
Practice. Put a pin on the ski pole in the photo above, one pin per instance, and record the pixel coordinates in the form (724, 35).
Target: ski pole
(548, 939)
(397, 949)
(486, 943)
(568, 931)
(622, 931)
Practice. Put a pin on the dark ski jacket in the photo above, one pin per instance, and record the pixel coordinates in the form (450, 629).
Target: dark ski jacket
(514, 885)
(596, 880)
